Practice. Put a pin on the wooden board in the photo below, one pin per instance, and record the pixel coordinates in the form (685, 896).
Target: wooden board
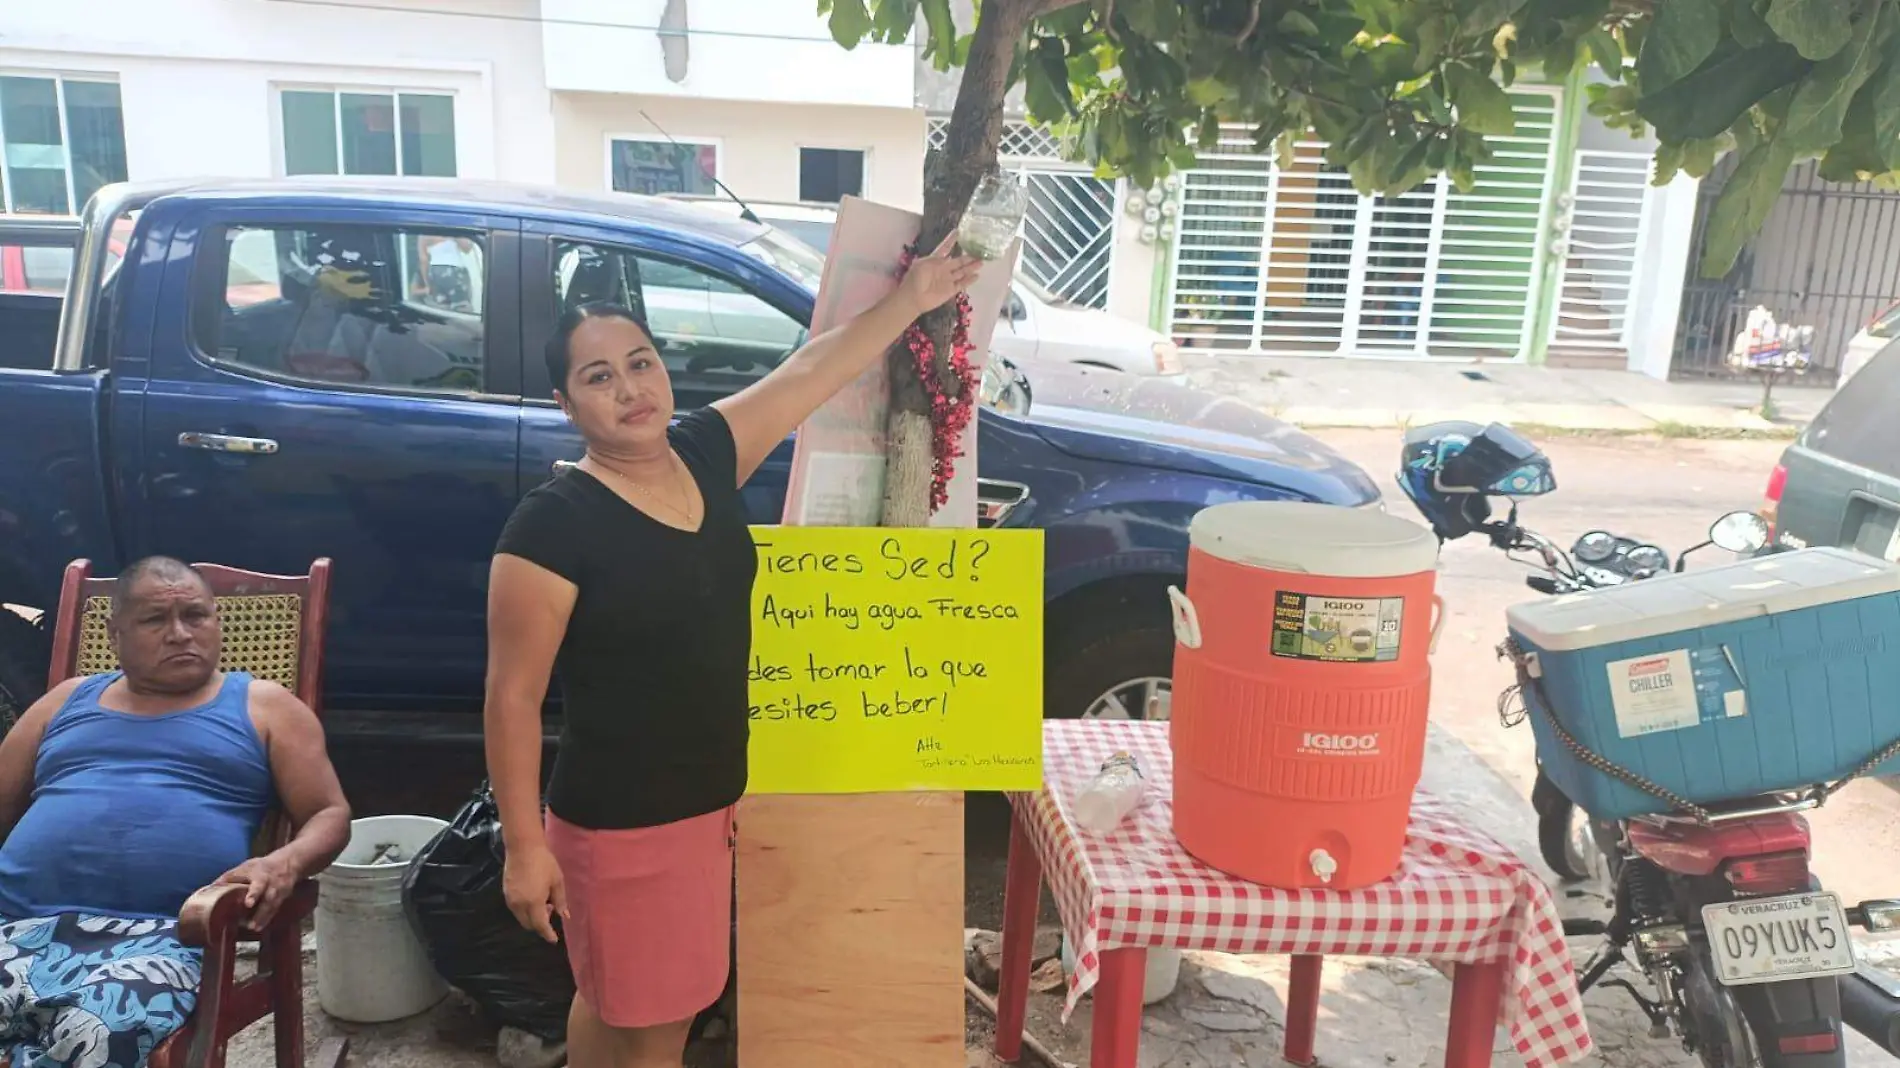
(851, 931)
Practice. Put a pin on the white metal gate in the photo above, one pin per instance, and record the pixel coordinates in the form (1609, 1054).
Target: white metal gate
(1069, 229)
(1292, 261)
(1605, 216)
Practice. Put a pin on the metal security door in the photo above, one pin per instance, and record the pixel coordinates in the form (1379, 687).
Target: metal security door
(1068, 231)
(1825, 258)
(1606, 215)
(1292, 261)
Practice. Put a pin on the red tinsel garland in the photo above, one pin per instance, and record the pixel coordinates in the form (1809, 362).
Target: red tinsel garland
(949, 415)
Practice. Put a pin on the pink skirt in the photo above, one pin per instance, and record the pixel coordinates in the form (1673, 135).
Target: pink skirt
(649, 933)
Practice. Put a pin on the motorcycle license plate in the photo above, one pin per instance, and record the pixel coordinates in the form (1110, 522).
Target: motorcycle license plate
(1764, 939)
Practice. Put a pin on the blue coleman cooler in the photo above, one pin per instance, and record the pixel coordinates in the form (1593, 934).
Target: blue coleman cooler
(1726, 682)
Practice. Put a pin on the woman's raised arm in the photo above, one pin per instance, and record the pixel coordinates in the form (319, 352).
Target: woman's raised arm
(762, 414)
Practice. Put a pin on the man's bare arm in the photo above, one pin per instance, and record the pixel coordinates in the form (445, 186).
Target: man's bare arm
(19, 751)
(306, 781)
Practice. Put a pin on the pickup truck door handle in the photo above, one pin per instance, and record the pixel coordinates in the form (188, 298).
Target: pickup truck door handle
(192, 439)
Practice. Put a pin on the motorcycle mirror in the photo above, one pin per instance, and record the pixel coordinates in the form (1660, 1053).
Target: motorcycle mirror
(1739, 532)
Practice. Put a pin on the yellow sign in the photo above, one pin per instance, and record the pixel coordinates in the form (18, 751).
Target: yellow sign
(896, 659)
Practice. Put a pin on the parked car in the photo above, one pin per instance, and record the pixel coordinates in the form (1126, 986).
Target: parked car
(1839, 482)
(1870, 340)
(1035, 322)
(260, 379)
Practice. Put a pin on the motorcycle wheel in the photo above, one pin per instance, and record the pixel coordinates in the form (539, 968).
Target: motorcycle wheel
(1564, 834)
(1721, 1033)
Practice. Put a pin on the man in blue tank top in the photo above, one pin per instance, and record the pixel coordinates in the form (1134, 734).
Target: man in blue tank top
(122, 794)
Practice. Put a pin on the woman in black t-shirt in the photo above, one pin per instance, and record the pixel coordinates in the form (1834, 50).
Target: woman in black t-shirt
(631, 575)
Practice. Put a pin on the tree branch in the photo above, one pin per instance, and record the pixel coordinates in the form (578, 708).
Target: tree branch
(950, 176)
(1038, 8)
(1253, 20)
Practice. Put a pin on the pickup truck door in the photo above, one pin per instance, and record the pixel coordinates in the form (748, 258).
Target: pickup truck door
(330, 395)
(745, 335)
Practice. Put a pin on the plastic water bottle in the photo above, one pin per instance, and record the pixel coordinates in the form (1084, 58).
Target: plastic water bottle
(1110, 796)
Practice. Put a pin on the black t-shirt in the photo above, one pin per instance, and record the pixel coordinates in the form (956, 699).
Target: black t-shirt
(653, 666)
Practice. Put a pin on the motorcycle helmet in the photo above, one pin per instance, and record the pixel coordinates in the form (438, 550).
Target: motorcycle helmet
(1450, 470)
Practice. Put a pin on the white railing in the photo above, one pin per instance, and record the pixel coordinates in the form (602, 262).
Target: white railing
(1603, 226)
(1293, 261)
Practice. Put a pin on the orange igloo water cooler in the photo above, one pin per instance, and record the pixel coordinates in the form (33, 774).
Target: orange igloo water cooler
(1301, 686)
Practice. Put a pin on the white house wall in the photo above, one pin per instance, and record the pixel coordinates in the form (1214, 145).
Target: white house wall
(199, 78)
(758, 142)
(774, 51)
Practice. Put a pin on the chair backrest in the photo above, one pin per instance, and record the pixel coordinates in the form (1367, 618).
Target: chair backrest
(272, 625)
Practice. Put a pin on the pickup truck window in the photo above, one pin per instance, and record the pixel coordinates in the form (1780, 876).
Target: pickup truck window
(34, 269)
(351, 306)
(714, 336)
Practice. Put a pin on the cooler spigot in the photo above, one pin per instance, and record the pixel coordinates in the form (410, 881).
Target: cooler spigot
(1323, 865)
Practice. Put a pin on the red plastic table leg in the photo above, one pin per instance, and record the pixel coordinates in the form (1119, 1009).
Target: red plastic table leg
(1022, 898)
(1302, 1008)
(1117, 1035)
(1477, 991)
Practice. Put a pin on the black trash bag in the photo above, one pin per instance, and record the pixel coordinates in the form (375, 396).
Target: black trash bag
(452, 894)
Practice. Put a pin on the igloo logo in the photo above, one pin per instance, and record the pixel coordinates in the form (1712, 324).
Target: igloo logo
(1339, 744)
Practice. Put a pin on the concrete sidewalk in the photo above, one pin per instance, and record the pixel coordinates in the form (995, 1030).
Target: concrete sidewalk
(1318, 392)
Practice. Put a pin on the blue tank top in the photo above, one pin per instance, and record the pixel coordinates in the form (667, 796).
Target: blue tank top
(131, 814)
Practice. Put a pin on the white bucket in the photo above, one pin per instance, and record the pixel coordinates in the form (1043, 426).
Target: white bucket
(1158, 980)
(371, 968)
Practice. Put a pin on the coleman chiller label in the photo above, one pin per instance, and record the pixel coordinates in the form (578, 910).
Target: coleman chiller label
(1654, 693)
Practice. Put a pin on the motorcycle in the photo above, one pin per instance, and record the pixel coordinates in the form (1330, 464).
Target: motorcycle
(1687, 888)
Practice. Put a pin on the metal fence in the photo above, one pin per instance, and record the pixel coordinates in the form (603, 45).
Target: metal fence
(1827, 258)
(1068, 232)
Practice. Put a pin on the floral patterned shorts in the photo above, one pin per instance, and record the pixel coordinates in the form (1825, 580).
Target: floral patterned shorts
(81, 991)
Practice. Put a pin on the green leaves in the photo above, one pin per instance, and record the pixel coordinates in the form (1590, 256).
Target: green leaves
(1855, 155)
(1477, 16)
(1604, 50)
(1402, 89)
(1728, 83)
(1820, 104)
(1483, 105)
(1885, 106)
(849, 22)
(1046, 82)
(1816, 28)
(943, 44)
(1743, 205)
(1746, 25)
(1685, 33)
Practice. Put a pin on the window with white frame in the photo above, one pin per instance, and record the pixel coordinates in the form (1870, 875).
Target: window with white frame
(828, 175)
(652, 167)
(61, 139)
(351, 132)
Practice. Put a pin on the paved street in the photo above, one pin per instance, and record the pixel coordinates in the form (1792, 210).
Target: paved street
(1329, 392)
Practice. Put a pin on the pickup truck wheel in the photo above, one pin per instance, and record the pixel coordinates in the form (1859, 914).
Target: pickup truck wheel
(22, 667)
(1113, 675)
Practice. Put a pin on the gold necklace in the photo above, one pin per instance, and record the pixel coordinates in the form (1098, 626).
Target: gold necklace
(649, 496)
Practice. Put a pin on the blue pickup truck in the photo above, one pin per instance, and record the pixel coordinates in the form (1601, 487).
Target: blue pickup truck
(260, 373)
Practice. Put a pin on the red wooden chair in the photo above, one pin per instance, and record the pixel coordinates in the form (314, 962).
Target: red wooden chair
(273, 628)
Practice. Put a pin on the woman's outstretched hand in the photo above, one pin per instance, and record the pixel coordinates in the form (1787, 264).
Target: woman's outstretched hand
(935, 278)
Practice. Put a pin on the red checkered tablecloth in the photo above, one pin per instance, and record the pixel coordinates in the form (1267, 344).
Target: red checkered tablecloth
(1459, 895)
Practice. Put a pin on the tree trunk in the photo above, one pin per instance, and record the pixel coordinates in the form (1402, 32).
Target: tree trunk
(950, 176)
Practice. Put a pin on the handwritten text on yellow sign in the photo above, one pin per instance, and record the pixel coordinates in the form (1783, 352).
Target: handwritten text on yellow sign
(886, 659)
